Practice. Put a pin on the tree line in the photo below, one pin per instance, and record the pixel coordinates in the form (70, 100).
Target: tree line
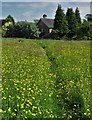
(70, 25)
(66, 26)
(20, 29)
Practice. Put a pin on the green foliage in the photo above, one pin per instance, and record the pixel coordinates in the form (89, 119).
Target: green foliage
(55, 34)
(25, 30)
(7, 25)
(85, 31)
(10, 19)
(72, 22)
(60, 23)
(78, 18)
(6, 29)
(73, 28)
(21, 29)
(89, 17)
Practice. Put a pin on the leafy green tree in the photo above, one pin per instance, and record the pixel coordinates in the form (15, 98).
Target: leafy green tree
(6, 27)
(10, 19)
(60, 22)
(85, 31)
(78, 18)
(72, 22)
(89, 17)
(25, 29)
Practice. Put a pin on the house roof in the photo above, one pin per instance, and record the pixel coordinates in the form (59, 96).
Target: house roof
(48, 22)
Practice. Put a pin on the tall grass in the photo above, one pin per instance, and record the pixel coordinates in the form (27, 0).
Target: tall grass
(45, 79)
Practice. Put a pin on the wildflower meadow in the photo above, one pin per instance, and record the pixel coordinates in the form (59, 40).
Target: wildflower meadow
(45, 79)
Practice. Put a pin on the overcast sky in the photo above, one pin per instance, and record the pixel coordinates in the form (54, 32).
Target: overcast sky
(24, 10)
(45, 0)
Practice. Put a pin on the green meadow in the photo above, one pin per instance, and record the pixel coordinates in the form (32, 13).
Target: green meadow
(45, 79)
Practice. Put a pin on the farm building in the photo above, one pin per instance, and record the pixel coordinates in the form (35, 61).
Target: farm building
(45, 25)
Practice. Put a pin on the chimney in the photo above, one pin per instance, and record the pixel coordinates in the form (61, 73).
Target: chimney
(44, 16)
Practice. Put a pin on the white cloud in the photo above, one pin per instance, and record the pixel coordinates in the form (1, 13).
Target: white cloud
(29, 16)
(34, 10)
(35, 4)
(28, 13)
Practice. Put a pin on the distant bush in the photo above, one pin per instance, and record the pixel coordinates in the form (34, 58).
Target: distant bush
(85, 31)
(21, 29)
(25, 30)
(7, 24)
(6, 29)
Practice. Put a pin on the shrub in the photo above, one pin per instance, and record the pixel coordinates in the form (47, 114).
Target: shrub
(6, 29)
(85, 31)
(25, 30)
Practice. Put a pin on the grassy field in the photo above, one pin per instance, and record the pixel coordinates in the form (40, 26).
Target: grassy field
(45, 79)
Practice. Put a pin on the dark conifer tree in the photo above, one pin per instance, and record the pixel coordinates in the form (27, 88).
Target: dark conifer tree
(78, 18)
(60, 22)
(72, 22)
